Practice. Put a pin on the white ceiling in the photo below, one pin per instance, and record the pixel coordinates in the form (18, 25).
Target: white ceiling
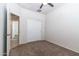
(35, 6)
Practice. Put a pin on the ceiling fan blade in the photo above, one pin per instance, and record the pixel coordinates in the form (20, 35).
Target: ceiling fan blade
(51, 4)
(41, 6)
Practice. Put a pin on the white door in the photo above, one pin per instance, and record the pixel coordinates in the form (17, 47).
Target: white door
(33, 30)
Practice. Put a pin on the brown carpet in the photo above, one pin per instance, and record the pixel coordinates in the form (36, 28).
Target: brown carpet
(41, 48)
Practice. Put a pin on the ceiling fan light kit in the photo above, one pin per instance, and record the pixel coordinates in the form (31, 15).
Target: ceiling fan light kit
(39, 10)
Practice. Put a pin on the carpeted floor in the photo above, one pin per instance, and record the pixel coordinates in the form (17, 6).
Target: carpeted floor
(41, 48)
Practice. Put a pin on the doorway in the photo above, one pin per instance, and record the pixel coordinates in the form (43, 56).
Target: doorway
(14, 31)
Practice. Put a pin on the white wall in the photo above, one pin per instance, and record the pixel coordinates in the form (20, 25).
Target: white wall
(62, 26)
(2, 8)
(33, 30)
(24, 16)
(27, 15)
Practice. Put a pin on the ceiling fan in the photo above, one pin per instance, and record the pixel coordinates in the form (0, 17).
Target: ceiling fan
(50, 4)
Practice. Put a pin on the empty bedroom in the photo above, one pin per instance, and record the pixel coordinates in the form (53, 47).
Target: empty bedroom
(42, 29)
